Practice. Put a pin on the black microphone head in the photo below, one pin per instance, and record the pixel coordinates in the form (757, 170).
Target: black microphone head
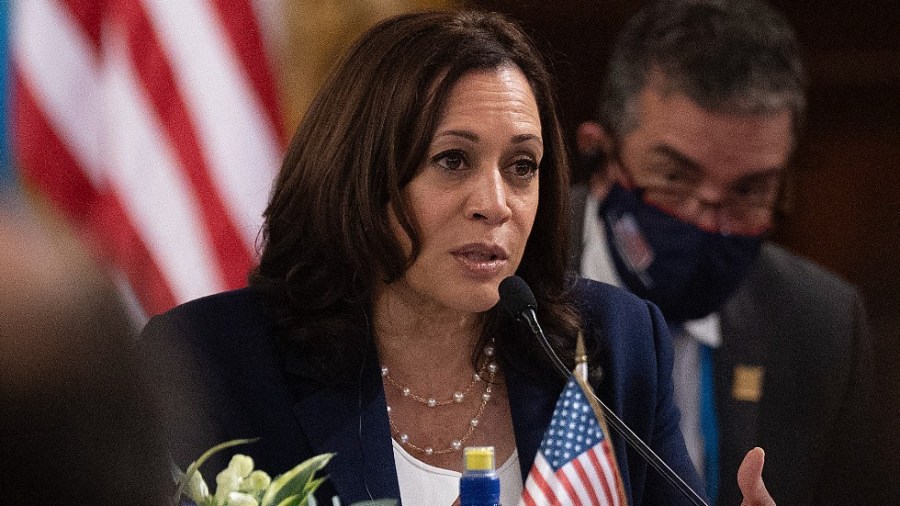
(515, 296)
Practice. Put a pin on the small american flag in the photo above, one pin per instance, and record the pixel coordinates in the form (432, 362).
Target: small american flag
(575, 464)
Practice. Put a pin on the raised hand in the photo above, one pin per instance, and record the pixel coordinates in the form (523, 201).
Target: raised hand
(750, 480)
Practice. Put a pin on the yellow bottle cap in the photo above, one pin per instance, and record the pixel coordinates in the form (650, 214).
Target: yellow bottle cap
(479, 458)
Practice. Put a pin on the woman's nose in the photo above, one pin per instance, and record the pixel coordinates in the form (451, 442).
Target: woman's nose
(488, 198)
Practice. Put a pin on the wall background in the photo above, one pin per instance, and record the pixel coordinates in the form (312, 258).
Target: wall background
(317, 34)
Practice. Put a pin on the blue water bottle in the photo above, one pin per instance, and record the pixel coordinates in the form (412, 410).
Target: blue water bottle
(479, 484)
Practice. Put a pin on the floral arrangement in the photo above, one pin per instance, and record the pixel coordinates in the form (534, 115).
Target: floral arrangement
(241, 485)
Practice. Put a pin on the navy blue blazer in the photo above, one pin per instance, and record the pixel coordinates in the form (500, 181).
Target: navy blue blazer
(218, 377)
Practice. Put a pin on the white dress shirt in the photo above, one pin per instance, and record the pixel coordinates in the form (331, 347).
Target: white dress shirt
(597, 263)
(427, 485)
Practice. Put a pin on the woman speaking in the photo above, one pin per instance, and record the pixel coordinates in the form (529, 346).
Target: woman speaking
(429, 167)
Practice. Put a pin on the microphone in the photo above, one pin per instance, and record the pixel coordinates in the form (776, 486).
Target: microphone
(518, 300)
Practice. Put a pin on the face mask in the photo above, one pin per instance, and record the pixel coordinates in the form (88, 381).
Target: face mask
(686, 271)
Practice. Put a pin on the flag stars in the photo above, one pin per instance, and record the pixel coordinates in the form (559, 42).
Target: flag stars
(573, 428)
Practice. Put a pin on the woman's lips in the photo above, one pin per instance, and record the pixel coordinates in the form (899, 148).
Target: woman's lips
(481, 260)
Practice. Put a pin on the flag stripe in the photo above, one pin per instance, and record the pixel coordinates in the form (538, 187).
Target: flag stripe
(240, 22)
(612, 471)
(587, 481)
(542, 469)
(239, 140)
(571, 491)
(605, 479)
(46, 157)
(122, 242)
(527, 499)
(606, 488)
(58, 65)
(159, 199)
(88, 17)
(158, 84)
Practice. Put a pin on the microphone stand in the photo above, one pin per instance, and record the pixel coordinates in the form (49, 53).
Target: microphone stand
(529, 317)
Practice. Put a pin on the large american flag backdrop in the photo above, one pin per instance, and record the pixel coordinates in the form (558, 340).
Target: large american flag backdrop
(154, 126)
(575, 464)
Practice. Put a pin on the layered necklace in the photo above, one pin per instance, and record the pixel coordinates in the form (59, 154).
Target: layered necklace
(488, 367)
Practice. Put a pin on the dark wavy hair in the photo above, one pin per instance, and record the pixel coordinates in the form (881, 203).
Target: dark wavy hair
(327, 239)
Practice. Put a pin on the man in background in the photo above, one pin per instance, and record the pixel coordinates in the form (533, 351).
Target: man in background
(700, 113)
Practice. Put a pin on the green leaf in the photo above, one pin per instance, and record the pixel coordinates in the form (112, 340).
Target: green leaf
(294, 500)
(314, 484)
(297, 481)
(184, 479)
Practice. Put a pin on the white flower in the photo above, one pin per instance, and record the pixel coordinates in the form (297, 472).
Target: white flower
(196, 488)
(258, 481)
(227, 482)
(239, 499)
(240, 485)
(241, 464)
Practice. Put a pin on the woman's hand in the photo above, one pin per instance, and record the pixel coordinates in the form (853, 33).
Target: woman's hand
(750, 480)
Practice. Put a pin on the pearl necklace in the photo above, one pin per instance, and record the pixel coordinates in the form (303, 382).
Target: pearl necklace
(458, 397)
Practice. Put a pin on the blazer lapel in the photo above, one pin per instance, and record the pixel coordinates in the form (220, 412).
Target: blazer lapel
(531, 405)
(352, 422)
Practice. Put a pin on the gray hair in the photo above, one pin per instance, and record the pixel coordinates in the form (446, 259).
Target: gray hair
(733, 56)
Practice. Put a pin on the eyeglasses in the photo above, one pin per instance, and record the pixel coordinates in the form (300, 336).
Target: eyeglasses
(745, 207)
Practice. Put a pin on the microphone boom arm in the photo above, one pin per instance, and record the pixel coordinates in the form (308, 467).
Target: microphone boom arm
(529, 317)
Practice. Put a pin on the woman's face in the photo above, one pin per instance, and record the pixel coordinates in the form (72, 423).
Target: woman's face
(475, 195)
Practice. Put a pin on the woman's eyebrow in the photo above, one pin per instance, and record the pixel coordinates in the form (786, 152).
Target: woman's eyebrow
(520, 138)
(465, 134)
(472, 136)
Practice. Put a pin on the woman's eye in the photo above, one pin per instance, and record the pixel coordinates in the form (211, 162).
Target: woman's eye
(525, 167)
(451, 160)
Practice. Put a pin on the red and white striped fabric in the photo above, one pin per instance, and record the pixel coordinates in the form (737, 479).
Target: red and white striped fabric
(575, 464)
(155, 126)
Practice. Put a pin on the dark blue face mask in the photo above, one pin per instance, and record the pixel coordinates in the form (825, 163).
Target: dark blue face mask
(687, 271)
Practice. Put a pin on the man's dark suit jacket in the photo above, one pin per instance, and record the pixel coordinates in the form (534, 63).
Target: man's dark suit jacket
(219, 377)
(807, 330)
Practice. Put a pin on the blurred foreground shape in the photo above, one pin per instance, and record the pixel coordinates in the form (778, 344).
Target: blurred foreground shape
(75, 427)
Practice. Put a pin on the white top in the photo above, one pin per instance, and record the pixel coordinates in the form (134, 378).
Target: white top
(597, 263)
(425, 485)
(686, 379)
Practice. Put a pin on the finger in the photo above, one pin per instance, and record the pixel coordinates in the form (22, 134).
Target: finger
(750, 480)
